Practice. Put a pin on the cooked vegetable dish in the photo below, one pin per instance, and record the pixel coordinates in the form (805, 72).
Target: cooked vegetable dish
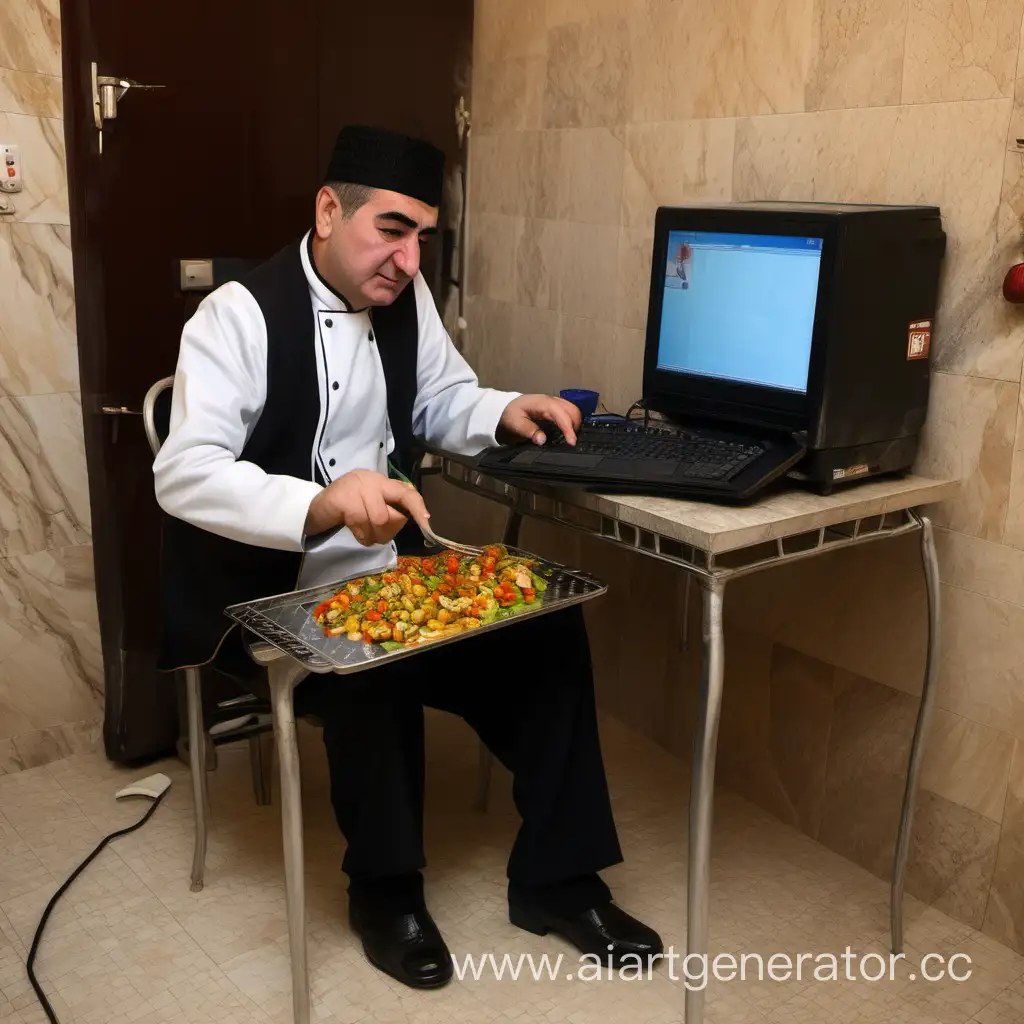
(425, 599)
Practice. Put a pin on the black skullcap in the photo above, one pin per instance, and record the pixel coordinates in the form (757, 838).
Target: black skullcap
(388, 160)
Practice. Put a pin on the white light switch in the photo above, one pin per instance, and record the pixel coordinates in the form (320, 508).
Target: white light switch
(10, 168)
(196, 275)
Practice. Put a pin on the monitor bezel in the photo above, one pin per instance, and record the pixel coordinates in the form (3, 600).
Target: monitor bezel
(683, 394)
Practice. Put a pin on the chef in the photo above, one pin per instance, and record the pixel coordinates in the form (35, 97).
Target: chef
(297, 395)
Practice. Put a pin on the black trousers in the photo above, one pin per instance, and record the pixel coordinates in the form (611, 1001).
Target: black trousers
(528, 692)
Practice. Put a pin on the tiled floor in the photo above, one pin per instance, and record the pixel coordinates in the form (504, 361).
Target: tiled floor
(130, 943)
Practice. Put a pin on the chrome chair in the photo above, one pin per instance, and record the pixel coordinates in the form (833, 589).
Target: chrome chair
(235, 716)
(283, 675)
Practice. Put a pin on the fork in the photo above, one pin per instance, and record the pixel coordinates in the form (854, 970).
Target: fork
(428, 534)
(463, 549)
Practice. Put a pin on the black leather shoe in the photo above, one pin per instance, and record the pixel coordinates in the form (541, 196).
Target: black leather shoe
(592, 931)
(407, 946)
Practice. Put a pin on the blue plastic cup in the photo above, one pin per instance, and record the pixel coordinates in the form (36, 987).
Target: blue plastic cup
(585, 401)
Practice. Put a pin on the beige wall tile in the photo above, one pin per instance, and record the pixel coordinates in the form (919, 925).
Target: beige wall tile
(626, 385)
(30, 36)
(982, 670)
(54, 674)
(1014, 532)
(38, 349)
(565, 12)
(981, 566)
(492, 267)
(793, 604)
(44, 497)
(489, 335)
(44, 195)
(604, 358)
(967, 763)
(802, 695)
(504, 172)
(880, 613)
(952, 858)
(579, 176)
(979, 333)
(533, 356)
(502, 30)
(961, 49)
(674, 164)
(588, 357)
(634, 276)
(836, 155)
(508, 95)
(857, 56)
(590, 271)
(547, 198)
(957, 162)
(589, 74)
(1004, 917)
(745, 764)
(23, 92)
(540, 259)
(592, 174)
(869, 744)
(719, 58)
(969, 437)
(775, 157)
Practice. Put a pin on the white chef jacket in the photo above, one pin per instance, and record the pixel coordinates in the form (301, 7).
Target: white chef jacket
(220, 387)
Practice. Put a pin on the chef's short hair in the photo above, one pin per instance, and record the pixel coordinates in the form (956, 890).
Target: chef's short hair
(351, 197)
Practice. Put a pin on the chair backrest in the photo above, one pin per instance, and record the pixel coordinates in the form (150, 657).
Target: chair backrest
(156, 412)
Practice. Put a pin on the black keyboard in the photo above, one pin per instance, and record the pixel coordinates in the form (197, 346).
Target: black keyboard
(700, 457)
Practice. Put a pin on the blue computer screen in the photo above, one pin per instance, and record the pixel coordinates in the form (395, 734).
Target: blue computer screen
(740, 307)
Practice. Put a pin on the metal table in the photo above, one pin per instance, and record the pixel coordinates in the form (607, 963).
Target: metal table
(715, 545)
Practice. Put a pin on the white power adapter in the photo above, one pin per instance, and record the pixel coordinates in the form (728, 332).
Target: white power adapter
(152, 786)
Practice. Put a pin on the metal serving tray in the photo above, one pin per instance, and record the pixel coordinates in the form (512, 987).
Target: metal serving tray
(286, 621)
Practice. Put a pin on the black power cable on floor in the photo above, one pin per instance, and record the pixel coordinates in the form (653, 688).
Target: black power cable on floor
(60, 892)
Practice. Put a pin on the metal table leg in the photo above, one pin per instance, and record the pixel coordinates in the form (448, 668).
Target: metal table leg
(197, 766)
(510, 535)
(924, 715)
(510, 538)
(284, 675)
(702, 786)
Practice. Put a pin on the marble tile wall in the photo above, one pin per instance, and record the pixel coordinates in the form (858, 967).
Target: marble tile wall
(588, 114)
(50, 669)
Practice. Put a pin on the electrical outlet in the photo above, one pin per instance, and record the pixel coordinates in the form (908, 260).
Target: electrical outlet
(6, 206)
(10, 168)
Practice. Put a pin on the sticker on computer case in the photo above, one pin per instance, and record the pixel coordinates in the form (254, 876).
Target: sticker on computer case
(919, 342)
(850, 471)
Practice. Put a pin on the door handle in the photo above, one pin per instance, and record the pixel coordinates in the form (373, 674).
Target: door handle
(117, 411)
(107, 92)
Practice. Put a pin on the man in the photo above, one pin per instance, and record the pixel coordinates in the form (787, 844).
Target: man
(296, 391)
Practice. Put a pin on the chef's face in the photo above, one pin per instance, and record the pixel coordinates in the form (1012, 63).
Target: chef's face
(373, 254)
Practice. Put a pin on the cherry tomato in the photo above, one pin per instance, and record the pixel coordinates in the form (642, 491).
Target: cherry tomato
(382, 606)
(374, 616)
(453, 565)
(428, 567)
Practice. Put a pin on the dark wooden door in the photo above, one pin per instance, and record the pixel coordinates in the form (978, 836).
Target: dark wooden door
(222, 162)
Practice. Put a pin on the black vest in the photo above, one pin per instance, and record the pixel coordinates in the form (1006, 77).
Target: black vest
(201, 572)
